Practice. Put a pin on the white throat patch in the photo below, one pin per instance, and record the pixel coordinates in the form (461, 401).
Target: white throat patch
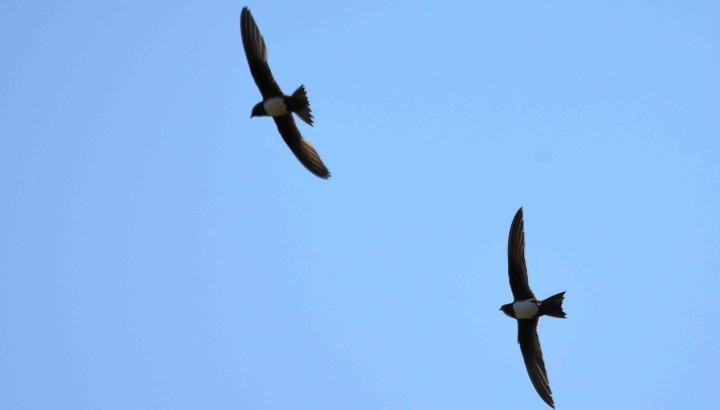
(275, 107)
(525, 309)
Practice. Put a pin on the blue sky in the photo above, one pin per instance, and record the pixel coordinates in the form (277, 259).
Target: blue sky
(160, 249)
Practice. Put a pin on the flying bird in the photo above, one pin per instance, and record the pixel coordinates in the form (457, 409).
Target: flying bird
(527, 310)
(276, 104)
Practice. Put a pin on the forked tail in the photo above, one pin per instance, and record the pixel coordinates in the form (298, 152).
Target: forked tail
(300, 105)
(552, 306)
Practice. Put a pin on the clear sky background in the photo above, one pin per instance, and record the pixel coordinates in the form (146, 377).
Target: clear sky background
(161, 250)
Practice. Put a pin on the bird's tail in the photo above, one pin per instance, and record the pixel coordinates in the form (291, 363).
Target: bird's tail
(552, 306)
(300, 105)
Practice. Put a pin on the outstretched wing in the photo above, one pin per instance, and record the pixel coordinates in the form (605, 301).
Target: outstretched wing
(532, 354)
(256, 54)
(300, 147)
(517, 271)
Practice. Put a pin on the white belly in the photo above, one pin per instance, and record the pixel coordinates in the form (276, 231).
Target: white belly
(525, 309)
(275, 107)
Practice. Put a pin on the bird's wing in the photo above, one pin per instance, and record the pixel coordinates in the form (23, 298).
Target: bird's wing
(517, 271)
(532, 354)
(256, 54)
(300, 147)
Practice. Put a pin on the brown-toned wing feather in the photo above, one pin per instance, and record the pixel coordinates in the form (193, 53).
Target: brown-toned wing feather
(517, 271)
(300, 147)
(256, 54)
(532, 354)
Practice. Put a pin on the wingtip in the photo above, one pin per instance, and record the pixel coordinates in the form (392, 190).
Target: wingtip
(518, 218)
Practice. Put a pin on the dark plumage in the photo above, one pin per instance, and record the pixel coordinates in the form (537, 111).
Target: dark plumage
(273, 97)
(527, 310)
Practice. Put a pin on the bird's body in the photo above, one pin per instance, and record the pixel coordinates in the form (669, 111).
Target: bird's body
(525, 309)
(284, 105)
(528, 310)
(275, 104)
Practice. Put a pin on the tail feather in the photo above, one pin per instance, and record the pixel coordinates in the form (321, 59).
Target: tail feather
(301, 106)
(552, 306)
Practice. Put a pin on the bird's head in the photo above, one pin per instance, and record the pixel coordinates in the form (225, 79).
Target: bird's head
(508, 310)
(258, 110)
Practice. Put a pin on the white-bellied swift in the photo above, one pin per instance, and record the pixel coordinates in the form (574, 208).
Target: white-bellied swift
(527, 310)
(276, 104)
